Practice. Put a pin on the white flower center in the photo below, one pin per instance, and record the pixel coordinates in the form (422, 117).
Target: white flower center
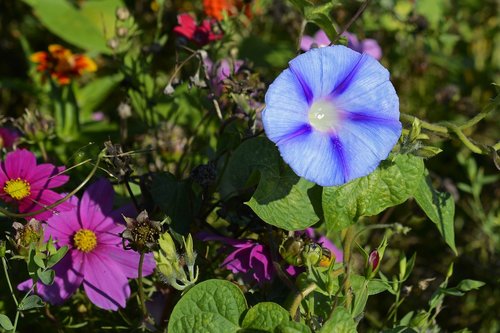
(323, 116)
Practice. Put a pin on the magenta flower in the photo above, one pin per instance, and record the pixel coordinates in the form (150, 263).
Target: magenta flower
(221, 71)
(201, 34)
(96, 257)
(26, 184)
(250, 258)
(8, 137)
(320, 39)
(368, 46)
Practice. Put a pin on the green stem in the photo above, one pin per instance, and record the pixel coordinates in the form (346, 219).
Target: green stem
(431, 127)
(351, 21)
(141, 287)
(302, 29)
(16, 319)
(465, 139)
(299, 297)
(348, 240)
(5, 270)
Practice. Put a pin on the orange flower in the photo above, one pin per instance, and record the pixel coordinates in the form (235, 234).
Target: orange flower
(61, 64)
(216, 8)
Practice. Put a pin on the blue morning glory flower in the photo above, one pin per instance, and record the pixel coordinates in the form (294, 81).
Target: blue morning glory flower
(333, 114)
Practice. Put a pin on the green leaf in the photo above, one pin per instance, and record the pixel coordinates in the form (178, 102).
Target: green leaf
(31, 302)
(340, 322)
(287, 201)
(321, 15)
(265, 316)
(439, 207)
(360, 299)
(85, 28)
(6, 323)
(95, 92)
(254, 155)
(391, 184)
(213, 306)
(281, 198)
(292, 327)
(400, 329)
(176, 199)
(56, 257)
(47, 277)
(374, 286)
(467, 285)
(38, 259)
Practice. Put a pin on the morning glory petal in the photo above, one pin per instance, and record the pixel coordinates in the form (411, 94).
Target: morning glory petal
(317, 157)
(334, 115)
(367, 142)
(321, 70)
(286, 108)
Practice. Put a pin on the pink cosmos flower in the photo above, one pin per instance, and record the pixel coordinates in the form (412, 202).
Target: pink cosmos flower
(201, 34)
(320, 39)
(96, 257)
(26, 184)
(8, 137)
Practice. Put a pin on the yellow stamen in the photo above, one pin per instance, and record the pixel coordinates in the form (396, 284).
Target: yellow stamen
(85, 240)
(17, 188)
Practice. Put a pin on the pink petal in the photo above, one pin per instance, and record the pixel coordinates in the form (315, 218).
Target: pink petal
(321, 38)
(62, 227)
(371, 47)
(40, 200)
(306, 42)
(105, 283)
(128, 260)
(20, 164)
(67, 280)
(127, 210)
(96, 201)
(238, 261)
(45, 176)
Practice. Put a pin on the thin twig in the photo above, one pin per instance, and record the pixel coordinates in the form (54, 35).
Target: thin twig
(351, 21)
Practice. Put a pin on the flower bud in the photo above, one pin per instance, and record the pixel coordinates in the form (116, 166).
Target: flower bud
(291, 249)
(167, 246)
(27, 234)
(312, 254)
(373, 260)
(141, 233)
(36, 126)
(372, 264)
(190, 253)
(119, 162)
(171, 266)
(122, 13)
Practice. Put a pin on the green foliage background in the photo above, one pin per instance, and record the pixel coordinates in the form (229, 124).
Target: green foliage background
(443, 55)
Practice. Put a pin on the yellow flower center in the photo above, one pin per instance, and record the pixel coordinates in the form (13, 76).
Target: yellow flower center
(85, 240)
(17, 188)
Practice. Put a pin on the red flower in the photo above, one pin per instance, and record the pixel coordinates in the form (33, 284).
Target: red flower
(216, 8)
(201, 34)
(61, 64)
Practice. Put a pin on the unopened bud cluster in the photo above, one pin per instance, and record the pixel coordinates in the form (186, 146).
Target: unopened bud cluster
(172, 265)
